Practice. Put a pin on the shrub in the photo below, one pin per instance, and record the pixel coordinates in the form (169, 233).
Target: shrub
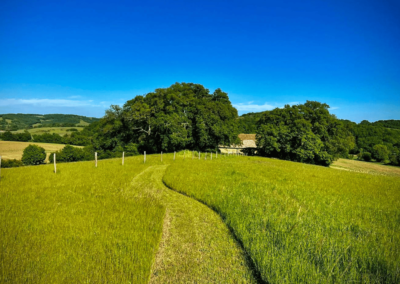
(366, 156)
(11, 163)
(71, 154)
(381, 153)
(131, 149)
(33, 155)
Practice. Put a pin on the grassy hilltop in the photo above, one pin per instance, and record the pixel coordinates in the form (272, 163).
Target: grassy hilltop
(280, 222)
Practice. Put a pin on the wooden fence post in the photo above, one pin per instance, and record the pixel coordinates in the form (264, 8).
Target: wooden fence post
(199, 155)
(216, 154)
(144, 157)
(174, 155)
(95, 157)
(161, 156)
(55, 165)
(123, 157)
(184, 154)
(192, 155)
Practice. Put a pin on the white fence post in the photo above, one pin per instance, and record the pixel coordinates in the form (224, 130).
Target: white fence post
(211, 156)
(55, 165)
(216, 154)
(123, 157)
(174, 155)
(199, 155)
(144, 157)
(161, 156)
(95, 157)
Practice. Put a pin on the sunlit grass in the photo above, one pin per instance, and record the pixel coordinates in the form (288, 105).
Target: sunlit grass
(302, 223)
(81, 225)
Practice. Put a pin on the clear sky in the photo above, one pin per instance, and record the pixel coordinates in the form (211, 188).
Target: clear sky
(79, 57)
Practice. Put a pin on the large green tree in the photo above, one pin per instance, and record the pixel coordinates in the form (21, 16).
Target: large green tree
(185, 115)
(305, 133)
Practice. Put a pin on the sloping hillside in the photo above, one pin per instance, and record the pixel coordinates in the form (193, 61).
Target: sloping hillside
(23, 121)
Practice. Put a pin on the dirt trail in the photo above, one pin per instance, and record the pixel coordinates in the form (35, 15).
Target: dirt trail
(196, 246)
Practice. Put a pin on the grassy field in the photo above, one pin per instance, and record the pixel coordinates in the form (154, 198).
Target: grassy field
(302, 223)
(58, 130)
(14, 150)
(111, 224)
(366, 167)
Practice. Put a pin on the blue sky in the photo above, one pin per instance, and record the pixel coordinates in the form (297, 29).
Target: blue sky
(80, 57)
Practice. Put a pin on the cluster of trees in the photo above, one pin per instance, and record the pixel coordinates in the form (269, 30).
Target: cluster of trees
(21, 137)
(76, 138)
(181, 116)
(305, 133)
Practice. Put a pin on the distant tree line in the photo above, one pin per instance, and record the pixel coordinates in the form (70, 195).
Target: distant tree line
(76, 138)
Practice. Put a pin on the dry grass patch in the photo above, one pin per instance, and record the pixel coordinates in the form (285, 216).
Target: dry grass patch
(14, 150)
(365, 167)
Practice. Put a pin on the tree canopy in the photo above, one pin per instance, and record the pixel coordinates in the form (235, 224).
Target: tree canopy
(304, 133)
(185, 115)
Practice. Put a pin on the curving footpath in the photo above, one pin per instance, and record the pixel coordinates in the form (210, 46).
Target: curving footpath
(196, 246)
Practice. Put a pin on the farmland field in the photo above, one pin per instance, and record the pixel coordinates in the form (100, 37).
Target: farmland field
(259, 220)
(57, 130)
(366, 167)
(14, 150)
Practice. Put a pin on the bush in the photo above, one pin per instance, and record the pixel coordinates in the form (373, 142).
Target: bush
(33, 155)
(71, 154)
(11, 163)
(366, 156)
(381, 153)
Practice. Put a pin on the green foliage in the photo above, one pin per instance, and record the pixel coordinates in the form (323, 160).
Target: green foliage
(12, 163)
(366, 156)
(380, 153)
(181, 116)
(22, 137)
(304, 133)
(301, 223)
(393, 124)
(247, 123)
(33, 155)
(71, 154)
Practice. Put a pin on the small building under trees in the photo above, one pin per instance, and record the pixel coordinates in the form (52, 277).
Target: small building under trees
(248, 145)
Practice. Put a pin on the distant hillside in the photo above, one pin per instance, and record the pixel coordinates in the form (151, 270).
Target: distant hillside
(247, 122)
(393, 124)
(25, 121)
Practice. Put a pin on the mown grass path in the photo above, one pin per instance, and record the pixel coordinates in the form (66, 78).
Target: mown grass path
(196, 246)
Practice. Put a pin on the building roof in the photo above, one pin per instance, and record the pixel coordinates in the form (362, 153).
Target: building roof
(248, 141)
(247, 137)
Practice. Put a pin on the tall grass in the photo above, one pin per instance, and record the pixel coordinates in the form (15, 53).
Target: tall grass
(302, 223)
(81, 225)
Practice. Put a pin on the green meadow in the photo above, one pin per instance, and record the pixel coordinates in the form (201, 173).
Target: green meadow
(302, 223)
(227, 220)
